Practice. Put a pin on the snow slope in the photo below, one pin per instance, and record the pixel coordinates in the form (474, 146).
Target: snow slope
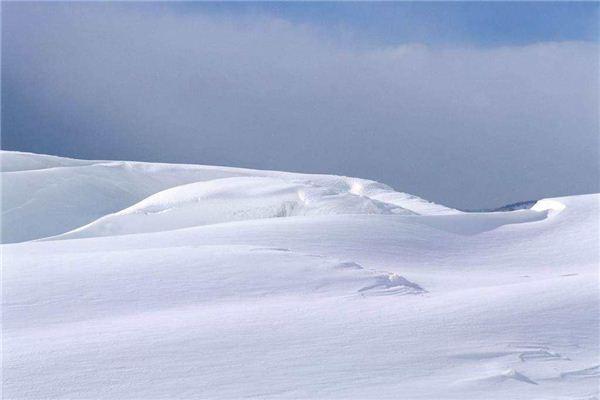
(215, 282)
(231, 199)
(46, 196)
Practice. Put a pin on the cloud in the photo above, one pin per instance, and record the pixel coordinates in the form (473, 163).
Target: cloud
(464, 126)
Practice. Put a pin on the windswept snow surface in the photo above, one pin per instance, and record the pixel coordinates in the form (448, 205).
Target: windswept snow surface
(45, 196)
(138, 280)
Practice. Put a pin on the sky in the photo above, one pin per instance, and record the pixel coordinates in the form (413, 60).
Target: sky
(472, 105)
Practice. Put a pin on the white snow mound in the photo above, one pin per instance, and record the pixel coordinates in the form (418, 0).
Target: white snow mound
(46, 196)
(231, 199)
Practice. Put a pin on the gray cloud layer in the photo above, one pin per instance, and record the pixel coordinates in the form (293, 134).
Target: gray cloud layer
(467, 127)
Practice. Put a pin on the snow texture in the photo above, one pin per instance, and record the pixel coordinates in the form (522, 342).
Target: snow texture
(140, 280)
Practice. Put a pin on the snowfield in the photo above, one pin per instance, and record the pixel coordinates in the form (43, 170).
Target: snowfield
(126, 280)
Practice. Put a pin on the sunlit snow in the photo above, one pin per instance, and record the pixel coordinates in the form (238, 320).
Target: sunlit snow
(141, 280)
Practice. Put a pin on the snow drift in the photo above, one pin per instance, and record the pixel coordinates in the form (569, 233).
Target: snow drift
(180, 281)
(46, 196)
(232, 199)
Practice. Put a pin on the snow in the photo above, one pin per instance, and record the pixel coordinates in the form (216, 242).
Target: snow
(231, 199)
(185, 281)
(39, 202)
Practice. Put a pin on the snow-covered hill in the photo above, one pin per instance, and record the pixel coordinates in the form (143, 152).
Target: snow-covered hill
(140, 280)
(45, 195)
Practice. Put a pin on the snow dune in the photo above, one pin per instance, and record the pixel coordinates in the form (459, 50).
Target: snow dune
(139, 280)
(232, 199)
(46, 196)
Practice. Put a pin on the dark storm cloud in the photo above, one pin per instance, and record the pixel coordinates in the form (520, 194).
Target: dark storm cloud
(464, 126)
